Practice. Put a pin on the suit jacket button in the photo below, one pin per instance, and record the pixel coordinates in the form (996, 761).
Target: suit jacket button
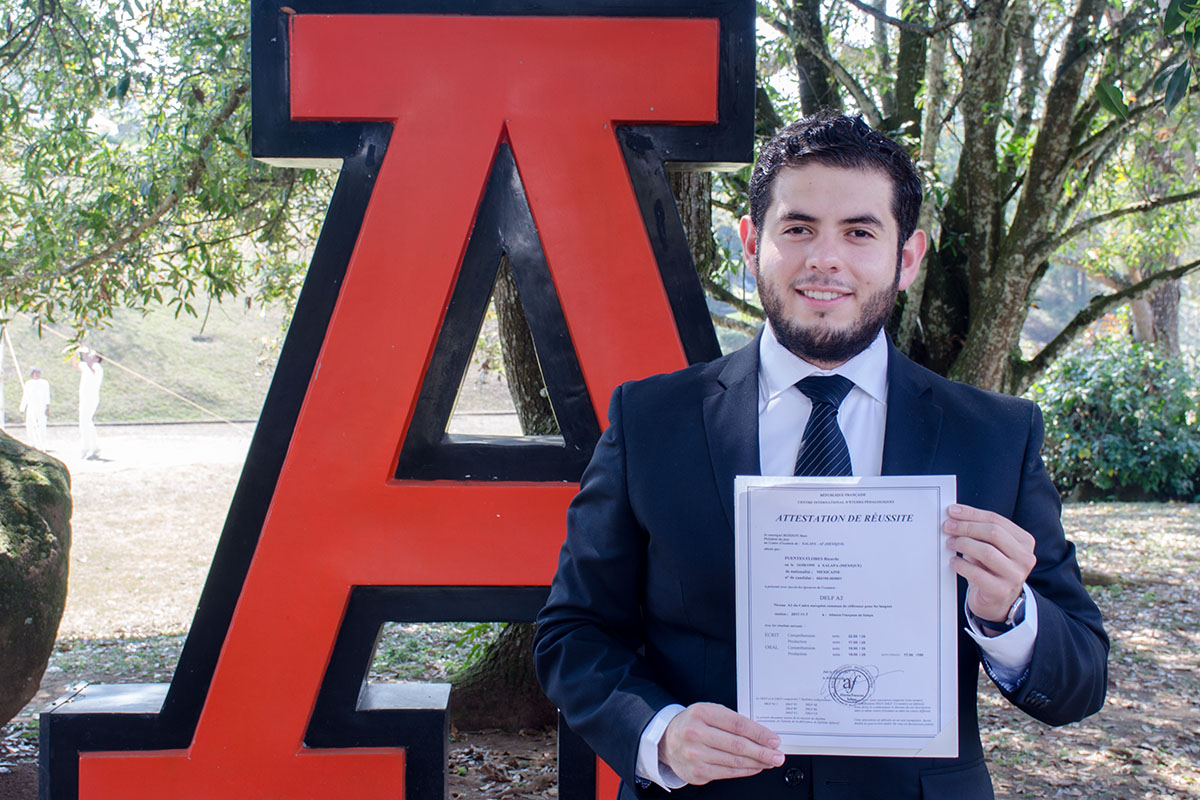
(794, 776)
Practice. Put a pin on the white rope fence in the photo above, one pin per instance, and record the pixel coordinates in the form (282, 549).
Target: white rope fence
(136, 374)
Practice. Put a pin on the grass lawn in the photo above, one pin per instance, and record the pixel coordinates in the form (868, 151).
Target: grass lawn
(220, 368)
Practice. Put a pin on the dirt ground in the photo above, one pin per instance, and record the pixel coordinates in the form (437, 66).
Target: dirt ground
(148, 516)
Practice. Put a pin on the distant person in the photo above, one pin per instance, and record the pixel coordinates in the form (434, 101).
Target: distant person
(35, 403)
(91, 374)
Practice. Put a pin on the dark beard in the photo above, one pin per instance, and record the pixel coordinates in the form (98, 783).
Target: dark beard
(822, 346)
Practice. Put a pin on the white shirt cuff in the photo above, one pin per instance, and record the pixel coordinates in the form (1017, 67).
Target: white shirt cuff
(649, 768)
(1007, 657)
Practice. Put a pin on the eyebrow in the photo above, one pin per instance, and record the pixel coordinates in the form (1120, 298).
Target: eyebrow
(861, 219)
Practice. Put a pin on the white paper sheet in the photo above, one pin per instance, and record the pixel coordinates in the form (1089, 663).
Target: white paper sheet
(847, 614)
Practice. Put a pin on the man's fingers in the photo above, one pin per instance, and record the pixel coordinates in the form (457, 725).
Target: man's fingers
(1017, 563)
(727, 719)
(976, 532)
(995, 557)
(986, 526)
(732, 739)
(707, 742)
(737, 751)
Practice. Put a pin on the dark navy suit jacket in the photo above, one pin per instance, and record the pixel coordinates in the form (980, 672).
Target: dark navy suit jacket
(641, 611)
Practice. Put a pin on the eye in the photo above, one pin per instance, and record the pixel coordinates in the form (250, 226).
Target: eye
(861, 233)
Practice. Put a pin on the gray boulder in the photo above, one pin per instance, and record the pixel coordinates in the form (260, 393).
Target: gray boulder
(35, 539)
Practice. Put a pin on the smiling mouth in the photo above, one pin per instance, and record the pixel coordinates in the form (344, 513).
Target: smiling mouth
(816, 294)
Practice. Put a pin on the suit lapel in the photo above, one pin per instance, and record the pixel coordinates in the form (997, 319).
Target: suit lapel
(914, 420)
(731, 422)
(911, 433)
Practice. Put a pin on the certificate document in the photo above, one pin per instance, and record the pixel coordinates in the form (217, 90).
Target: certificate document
(847, 614)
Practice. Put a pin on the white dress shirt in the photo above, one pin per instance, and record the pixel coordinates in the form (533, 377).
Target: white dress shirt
(783, 412)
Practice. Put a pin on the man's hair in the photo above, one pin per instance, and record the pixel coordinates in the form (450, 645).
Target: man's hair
(835, 140)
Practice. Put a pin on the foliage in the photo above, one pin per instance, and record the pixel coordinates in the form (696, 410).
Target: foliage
(124, 130)
(1121, 419)
(1043, 129)
(429, 651)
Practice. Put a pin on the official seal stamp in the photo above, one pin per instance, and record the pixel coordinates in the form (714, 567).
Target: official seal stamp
(851, 685)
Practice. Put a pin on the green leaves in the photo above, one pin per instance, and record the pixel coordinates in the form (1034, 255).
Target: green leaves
(106, 109)
(1178, 14)
(1112, 98)
(1120, 418)
(1177, 86)
(121, 89)
(1181, 18)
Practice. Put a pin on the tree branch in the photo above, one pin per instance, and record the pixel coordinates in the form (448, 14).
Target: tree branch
(865, 104)
(725, 296)
(911, 27)
(195, 173)
(774, 21)
(1091, 222)
(1026, 372)
(1114, 129)
(1068, 209)
(733, 324)
(21, 40)
(174, 251)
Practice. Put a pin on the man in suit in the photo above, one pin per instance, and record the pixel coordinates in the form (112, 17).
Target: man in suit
(636, 642)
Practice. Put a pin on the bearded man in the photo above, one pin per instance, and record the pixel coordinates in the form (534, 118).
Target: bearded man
(636, 642)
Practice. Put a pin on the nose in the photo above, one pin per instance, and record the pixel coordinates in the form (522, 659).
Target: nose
(824, 254)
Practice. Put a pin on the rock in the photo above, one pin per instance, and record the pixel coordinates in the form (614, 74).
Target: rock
(35, 539)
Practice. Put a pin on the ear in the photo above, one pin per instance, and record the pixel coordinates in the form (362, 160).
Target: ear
(749, 237)
(910, 258)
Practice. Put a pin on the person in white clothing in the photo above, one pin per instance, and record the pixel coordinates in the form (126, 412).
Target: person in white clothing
(91, 374)
(35, 404)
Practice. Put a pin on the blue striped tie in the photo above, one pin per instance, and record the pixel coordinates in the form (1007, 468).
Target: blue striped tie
(823, 450)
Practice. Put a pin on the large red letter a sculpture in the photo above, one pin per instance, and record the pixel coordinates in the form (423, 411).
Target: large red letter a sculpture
(463, 134)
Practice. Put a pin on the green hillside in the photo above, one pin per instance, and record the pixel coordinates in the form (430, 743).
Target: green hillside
(219, 369)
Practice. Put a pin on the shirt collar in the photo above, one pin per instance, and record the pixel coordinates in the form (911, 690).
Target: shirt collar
(779, 368)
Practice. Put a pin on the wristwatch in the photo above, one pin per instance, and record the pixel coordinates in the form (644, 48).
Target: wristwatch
(1016, 615)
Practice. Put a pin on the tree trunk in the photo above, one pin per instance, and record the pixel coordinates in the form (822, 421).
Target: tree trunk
(1164, 304)
(525, 382)
(910, 70)
(817, 88)
(500, 690)
(883, 58)
(1142, 317)
(693, 195)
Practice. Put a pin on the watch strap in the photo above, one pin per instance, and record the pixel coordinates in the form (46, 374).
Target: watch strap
(1015, 616)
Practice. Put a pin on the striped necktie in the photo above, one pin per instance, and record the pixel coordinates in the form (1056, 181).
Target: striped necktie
(823, 450)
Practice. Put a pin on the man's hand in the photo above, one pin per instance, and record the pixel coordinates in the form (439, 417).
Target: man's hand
(707, 742)
(996, 558)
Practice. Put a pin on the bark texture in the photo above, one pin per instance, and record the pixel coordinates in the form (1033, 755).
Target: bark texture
(817, 88)
(500, 689)
(693, 193)
(525, 382)
(1164, 303)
